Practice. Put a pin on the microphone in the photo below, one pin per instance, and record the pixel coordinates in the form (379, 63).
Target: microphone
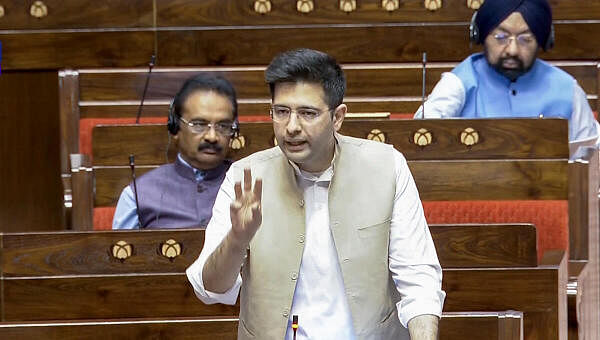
(150, 66)
(423, 87)
(135, 191)
(295, 324)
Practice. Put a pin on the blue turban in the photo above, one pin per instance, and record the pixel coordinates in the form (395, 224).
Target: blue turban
(537, 15)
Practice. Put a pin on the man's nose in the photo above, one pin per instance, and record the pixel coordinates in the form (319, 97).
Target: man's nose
(211, 134)
(293, 124)
(512, 49)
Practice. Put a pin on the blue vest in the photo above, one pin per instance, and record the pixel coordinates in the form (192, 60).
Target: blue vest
(170, 197)
(544, 90)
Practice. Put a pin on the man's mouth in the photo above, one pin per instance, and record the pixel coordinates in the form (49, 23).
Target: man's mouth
(295, 144)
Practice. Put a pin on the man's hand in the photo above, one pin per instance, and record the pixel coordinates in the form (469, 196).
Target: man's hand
(423, 327)
(223, 266)
(245, 211)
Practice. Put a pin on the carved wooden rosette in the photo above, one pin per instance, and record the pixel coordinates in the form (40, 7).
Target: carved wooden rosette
(262, 6)
(121, 250)
(348, 5)
(38, 10)
(377, 135)
(422, 137)
(305, 6)
(170, 249)
(469, 136)
(390, 5)
(433, 5)
(474, 4)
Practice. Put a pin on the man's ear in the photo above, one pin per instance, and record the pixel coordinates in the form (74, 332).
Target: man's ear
(338, 116)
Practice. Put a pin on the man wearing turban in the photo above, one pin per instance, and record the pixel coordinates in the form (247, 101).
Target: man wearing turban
(507, 79)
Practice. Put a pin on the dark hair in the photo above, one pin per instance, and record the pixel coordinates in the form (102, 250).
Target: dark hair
(310, 66)
(204, 82)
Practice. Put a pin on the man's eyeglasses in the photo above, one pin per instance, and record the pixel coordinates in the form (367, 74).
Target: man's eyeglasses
(280, 113)
(200, 127)
(523, 39)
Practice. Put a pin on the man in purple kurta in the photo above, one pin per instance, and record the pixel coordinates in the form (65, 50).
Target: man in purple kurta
(202, 120)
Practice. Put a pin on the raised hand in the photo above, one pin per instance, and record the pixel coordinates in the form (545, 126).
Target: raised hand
(245, 211)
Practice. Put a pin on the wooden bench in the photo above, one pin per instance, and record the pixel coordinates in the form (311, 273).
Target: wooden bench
(453, 326)
(509, 162)
(75, 275)
(112, 95)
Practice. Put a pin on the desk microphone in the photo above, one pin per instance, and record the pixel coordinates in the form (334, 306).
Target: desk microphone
(295, 325)
(423, 86)
(150, 66)
(135, 191)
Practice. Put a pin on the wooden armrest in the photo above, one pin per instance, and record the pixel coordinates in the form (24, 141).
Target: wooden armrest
(82, 189)
(552, 257)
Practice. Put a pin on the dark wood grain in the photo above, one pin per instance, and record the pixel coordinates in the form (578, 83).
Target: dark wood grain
(76, 49)
(532, 290)
(63, 14)
(82, 191)
(174, 328)
(490, 180)
(68, 87)
(363, 80)
(30, 183)
(583, 215)
(471, 180)
(481, 325)
(349, 44)
(233, 12)
(538, 292)
(247, 108)
(463, 246)
(89, 253)
(123, 296)
(500, 138)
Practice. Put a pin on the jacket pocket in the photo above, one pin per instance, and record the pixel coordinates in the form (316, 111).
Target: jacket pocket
(374, 229)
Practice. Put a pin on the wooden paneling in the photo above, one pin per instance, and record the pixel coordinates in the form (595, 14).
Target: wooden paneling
(63, 14)
(124, 296)
(76, 49)
(464, 246)
(538, 292)
(533, 290)
(363, 80)
(481, 326)
(30, 185)
(247, 108)
(236, 12)
(394, 43)
(504, 138)
(89, 253)
(472, 180)
(164, 329)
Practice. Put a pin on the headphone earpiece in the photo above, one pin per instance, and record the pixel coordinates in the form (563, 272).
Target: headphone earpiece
(172, 121)
(474, 30)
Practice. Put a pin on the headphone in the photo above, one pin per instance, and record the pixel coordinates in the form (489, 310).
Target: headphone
(475, 38)
(173, 120)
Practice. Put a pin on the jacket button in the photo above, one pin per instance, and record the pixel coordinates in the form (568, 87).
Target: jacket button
(301, 203)
(285, 313)
(301, 238)
(294, 275)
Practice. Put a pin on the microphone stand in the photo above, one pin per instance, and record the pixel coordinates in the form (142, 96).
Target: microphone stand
(150, 66)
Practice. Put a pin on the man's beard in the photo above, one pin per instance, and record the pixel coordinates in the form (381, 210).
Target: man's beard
(511, 73)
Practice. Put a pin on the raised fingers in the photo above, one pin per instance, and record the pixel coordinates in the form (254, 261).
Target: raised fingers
(247, 179)
(258, 189)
